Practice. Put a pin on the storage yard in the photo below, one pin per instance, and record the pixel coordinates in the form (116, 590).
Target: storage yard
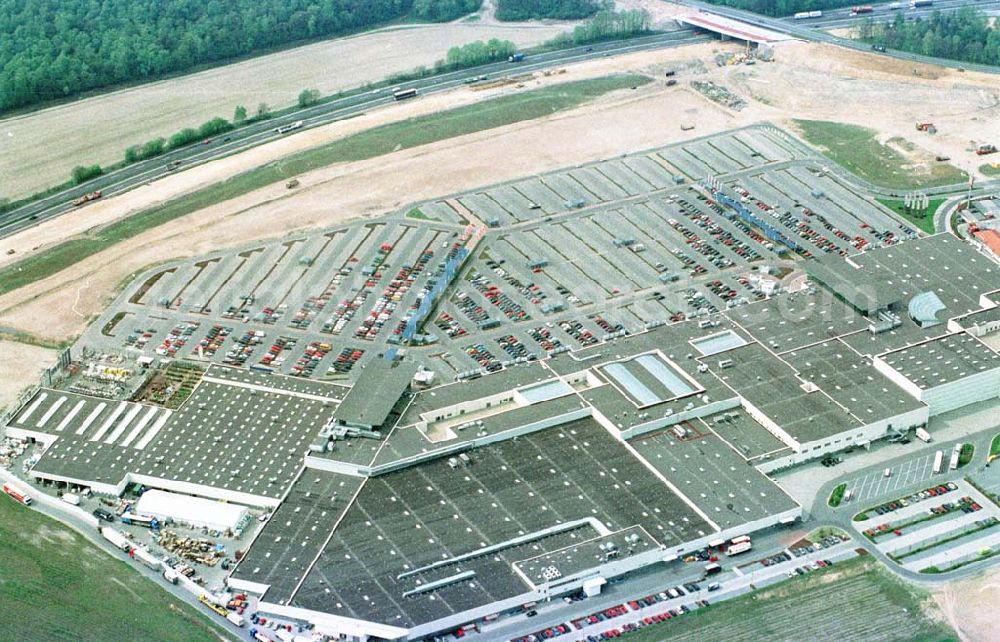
(492, 398)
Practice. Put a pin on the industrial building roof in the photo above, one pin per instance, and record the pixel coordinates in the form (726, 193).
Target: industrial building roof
(375, 392)
(943, 360)
(771, 385)
(417, 526)
(851, 380)
(858, 287)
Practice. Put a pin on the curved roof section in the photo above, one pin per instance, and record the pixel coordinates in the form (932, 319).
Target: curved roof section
(924, 309)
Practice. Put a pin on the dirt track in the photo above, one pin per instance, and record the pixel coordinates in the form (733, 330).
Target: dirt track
(39, 150)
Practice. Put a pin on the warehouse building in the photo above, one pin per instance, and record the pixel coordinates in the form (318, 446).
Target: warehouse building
(946, 373)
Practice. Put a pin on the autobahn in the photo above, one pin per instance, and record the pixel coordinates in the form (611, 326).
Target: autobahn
(808, 31)
(143, 172)
(886, 12)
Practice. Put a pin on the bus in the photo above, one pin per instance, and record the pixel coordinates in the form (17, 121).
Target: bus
(403, 94)
(284, 129)
(938, 460)
(141, 520)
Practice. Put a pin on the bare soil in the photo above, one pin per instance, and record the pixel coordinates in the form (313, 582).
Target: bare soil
(38, 150)
(20, 367)
(842, 85)
(970, 606)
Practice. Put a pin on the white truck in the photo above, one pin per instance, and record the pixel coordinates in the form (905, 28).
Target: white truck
(143, 555)
(236, 619)
(71, 499)
(116, 538)
(923, 435)
(938, 459)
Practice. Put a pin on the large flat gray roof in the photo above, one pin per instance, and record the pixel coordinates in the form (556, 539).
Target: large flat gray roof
(375, 392)
(943, 360)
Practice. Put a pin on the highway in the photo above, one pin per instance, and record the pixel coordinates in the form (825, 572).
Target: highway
(136, 174)
(885, 12)
(807, 29)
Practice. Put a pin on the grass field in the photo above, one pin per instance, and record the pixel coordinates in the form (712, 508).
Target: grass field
(990, 169)
(857, 600)
(857, 150)
(54, 585)
(925, 222)
(378, 141)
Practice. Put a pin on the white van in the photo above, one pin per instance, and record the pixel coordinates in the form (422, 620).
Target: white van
(888, 472)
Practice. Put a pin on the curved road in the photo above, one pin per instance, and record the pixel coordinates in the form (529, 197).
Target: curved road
(240, 139)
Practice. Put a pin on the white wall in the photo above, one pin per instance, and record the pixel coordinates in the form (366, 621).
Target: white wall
(978, 387)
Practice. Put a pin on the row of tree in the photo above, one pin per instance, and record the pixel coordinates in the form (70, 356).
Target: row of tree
(477, 53)
(965, 35)
(53, 49)
(558, 9)
(606, 24)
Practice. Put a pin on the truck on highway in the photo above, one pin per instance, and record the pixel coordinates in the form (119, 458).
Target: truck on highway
(284, 129)
(518, 57)
(86, 198)
(923, 435)
(17, 494)
(805, 15)
(916, 4)
(857, 11)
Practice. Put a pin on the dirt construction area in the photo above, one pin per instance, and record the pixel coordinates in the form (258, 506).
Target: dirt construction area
(38, 150)
(970, 606)
(846, 86)
(20, 367)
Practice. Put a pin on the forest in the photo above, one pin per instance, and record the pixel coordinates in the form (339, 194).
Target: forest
(55, 49)
(557, 9)
(964, 35)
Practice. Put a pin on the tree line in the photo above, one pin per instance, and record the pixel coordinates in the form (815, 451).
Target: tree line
(55, 49)
(965, 35)
(606, 24)
(557, 9)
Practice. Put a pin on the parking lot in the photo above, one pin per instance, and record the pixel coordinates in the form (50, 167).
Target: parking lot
(941, 527)
(561, 260)
(876, 485)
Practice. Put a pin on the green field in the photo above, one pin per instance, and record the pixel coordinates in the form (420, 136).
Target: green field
(924, 222)
(858, 151)
(55, 585)
(513, 108)
(856, 601)
(990, 169)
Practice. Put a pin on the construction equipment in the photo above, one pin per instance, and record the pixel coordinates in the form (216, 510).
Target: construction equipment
(926, 127)
(985, 148)
(86, 198)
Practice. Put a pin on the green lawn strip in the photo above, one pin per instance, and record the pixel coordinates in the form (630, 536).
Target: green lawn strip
(990, 169)
(995, 445)
(975, 528)
(984, 554)
(374, 142)
(66, 588)
(857, 149)
(837, 495)
(924, 220)
(764, 612)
